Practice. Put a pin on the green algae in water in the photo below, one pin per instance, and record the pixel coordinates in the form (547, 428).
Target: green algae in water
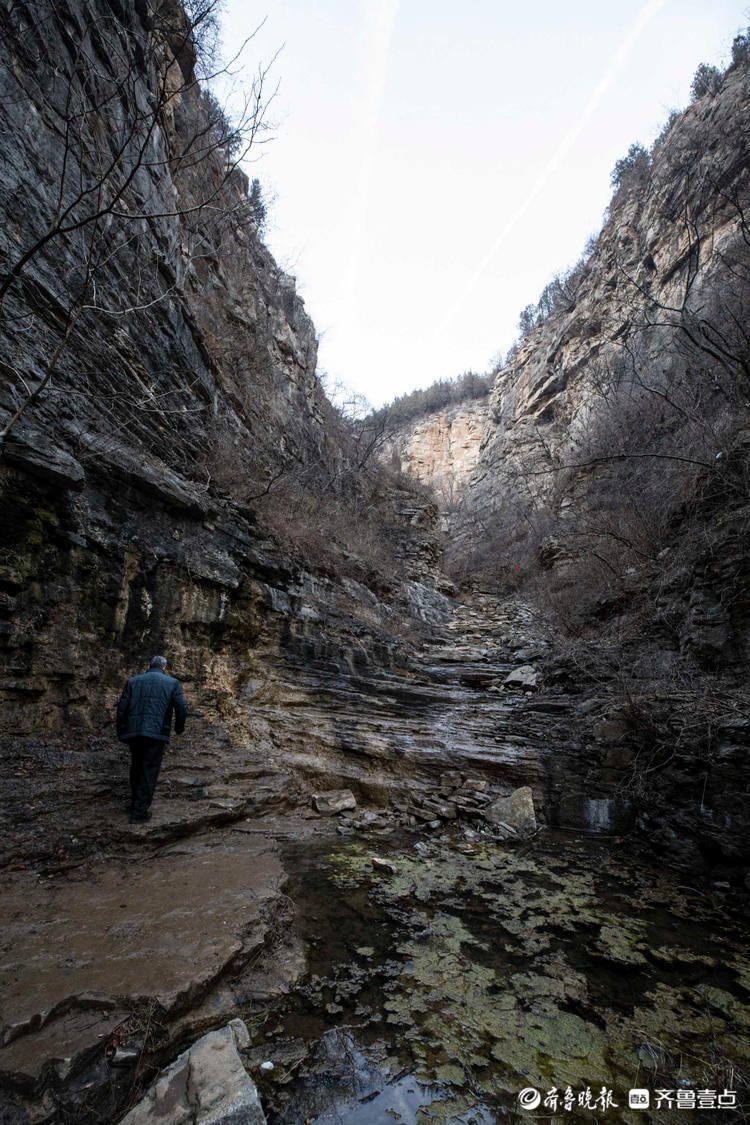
(623, 944)
(510, 972)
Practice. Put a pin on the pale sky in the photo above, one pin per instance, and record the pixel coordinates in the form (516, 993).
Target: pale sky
(435, 162)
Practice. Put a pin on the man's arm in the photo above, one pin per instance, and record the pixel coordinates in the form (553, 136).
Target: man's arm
(122, 710)
(180, 708)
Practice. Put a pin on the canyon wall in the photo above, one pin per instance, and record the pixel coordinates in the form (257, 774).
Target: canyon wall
(441, 449)
(618, 429)
(160, 378)
(138, 294)
(611, 488)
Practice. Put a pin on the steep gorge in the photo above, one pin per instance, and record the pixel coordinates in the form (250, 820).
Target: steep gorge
(610, 485)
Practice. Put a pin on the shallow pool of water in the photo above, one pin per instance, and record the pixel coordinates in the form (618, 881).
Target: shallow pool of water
(454, 976)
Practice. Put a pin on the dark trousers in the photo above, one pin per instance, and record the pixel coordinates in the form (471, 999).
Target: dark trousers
(145, 762)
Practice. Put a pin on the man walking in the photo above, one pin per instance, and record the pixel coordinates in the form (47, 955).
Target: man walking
(144, 720)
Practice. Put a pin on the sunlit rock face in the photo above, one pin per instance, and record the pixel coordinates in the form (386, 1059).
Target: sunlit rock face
(642, 363)
(442, 449)
(670, 260)
(671, 257)
(642, 359)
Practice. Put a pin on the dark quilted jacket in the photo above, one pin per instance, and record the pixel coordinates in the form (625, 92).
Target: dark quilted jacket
(147, 705)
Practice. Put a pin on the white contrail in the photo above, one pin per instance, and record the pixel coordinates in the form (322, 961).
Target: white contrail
(377, 31)
(644, 17)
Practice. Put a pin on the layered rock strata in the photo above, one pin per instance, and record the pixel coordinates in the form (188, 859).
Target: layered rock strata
(442, 449)
(612, 478)
(139, 298)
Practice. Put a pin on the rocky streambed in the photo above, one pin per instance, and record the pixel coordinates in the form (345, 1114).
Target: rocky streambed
(447, 976)
(407, 959)
(417, 978)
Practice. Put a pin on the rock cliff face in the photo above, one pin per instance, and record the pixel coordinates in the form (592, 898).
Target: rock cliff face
(648, 340)
(166, 371)
(442, 450)
(137, 292)
(122, 481)
(612, 482)
(176, 371)
(159, 374)
(660, 298)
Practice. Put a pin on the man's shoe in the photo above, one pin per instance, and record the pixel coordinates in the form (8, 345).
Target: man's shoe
(139, 818)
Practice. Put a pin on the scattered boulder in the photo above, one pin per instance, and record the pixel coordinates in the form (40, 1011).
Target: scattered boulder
(515, 812)
(333, 801)
(444, 810)
(205, 1085)
(475, 785)
(455, 797)
(384, 865)
(525, 677)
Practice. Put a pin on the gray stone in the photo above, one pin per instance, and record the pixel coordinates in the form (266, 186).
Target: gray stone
(33, 452)
(205, 1085)
(446, 810)
(503, 830)
(423, 814)
(474, 785)
(525, 677)
(333, 801)
(383, 865)
(516, 812)
(368, 816)
(465, 801)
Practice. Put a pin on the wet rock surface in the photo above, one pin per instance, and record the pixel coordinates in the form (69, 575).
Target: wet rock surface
(129, 929)
(206, 1085)
(124, 943)
(437, 970)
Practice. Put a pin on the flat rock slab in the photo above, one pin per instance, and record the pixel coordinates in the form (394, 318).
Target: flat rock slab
(333, 801)
(206, 1085)
(163, 927)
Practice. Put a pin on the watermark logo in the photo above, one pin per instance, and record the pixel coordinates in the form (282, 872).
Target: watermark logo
(568, 1100)
(529, 1098)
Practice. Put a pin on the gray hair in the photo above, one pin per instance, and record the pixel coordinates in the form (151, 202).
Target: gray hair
(158, 662)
